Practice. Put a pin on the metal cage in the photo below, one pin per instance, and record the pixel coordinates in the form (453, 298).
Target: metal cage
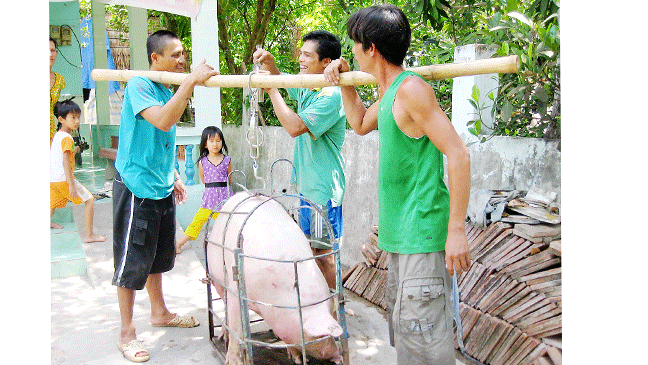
(248, 343)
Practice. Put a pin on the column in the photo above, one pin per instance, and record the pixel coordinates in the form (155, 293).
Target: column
(101, 60)
(137, 34)
(189, 165)
(462, 89)
(204, 39)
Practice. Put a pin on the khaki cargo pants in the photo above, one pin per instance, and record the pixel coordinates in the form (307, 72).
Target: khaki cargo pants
(420, 312)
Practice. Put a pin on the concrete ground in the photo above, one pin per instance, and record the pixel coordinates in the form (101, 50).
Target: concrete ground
(85, 313)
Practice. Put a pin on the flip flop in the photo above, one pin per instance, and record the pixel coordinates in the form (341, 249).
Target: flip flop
(180, 321)
(131, 349)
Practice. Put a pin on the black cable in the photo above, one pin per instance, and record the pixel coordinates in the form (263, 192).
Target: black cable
(79, 43)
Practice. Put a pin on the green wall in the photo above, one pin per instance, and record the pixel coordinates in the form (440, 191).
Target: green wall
(67, 13)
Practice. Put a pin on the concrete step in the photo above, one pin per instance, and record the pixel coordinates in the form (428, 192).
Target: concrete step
(67, 255)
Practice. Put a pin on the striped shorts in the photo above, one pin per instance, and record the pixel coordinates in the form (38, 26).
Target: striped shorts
(143, 236)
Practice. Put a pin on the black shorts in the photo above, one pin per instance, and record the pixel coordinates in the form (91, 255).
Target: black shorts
(143, 236)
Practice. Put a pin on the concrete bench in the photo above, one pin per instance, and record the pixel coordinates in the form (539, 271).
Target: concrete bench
(109, 154)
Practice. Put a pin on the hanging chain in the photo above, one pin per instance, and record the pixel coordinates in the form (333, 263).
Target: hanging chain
(254, 135)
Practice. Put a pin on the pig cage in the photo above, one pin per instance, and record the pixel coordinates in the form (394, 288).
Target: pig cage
(259, 345)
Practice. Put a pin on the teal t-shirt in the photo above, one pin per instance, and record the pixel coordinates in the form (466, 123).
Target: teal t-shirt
(413, 200)
(145, 155)
(318, 155)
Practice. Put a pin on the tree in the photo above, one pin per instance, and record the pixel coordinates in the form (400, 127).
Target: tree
(527, 103)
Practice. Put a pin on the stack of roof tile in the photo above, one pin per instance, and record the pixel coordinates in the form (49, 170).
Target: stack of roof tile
(510, 298)
(369, 279)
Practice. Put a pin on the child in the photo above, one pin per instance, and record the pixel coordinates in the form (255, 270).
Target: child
(63, 186)
(214, 169)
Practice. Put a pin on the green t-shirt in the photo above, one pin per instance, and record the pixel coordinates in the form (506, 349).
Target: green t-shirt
(413, 200)
(318, 155)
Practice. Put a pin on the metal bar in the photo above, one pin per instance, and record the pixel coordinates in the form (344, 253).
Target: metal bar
(286, 345)
(301, 319)
(243, 305)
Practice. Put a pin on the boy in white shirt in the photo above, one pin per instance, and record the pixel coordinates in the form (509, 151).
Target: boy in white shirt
(63, 186)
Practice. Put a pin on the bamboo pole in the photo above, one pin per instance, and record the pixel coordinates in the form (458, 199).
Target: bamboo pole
(508, 64)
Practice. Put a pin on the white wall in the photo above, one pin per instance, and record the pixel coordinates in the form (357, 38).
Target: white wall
(500, 163)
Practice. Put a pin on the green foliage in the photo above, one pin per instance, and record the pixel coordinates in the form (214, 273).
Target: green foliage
(432, 12)
(529, 101)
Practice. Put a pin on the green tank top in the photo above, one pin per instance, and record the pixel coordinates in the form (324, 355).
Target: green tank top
(413, 200)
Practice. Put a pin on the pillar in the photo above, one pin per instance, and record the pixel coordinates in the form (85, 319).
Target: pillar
(100, 60)
(462, 109)
(137, 34)
(204, 45)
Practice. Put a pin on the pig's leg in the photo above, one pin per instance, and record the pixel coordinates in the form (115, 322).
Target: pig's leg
(234, 353)
(295, 354)
(220, 290)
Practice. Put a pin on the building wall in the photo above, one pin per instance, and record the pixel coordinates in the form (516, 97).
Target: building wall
(67, 13)
(500, 163)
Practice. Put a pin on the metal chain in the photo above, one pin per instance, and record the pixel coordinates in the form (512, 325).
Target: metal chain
(254, 135)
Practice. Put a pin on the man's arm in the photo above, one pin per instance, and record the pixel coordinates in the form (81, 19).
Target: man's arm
(166, 116)
(179, 188)
(267, 61)
(361, 119)
(291, 121)
(434, 123)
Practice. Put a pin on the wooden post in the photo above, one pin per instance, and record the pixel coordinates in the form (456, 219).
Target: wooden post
(508, 64)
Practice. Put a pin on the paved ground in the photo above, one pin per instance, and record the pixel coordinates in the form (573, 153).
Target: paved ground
(85, 313)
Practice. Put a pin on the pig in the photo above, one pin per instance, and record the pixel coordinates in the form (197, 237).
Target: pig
(270, 232)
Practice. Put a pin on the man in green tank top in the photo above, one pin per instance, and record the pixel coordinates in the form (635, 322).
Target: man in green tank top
(421, 221)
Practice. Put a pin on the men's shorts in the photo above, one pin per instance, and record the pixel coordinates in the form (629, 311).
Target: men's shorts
(313, 226)
(60, 194)
(143, 236)
(418, 297)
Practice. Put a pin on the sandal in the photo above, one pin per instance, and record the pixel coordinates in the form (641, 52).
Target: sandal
(131, 349)
(180, 321)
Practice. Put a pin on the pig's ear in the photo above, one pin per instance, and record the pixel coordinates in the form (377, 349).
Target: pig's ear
(318, 326)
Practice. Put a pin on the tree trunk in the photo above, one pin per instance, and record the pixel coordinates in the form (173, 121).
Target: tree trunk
(224, 41)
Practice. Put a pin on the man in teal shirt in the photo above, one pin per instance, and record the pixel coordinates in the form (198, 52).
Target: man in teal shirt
(146, 187)
(318, 127)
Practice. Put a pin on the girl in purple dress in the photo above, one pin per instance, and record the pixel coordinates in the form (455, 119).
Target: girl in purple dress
(214, 168)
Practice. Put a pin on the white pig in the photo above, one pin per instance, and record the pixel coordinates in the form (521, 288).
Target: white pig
(270, 232)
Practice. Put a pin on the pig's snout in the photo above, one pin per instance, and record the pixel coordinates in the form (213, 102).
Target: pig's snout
(325, 350)
(335, 330)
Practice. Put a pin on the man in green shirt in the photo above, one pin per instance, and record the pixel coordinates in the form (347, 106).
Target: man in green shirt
(421, 221)
(318, 127)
